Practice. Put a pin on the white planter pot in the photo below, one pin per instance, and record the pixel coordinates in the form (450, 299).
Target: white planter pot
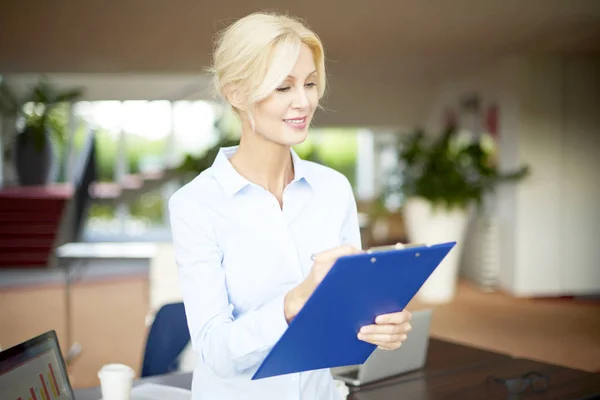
(429, 226)
(481, 252)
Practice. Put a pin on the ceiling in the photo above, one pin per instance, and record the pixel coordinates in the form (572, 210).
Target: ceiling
(385, 57)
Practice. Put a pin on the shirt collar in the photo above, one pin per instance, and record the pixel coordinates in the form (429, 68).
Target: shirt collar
(232, 182)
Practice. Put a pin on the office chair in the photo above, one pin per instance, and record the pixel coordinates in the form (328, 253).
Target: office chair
(167, 338)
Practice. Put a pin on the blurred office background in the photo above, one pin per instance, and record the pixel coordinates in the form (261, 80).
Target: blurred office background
(106, 111)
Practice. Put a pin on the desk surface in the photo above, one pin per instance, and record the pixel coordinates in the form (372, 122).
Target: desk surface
(452, 371)
(88, 250)
(178, 380)
(469, 383)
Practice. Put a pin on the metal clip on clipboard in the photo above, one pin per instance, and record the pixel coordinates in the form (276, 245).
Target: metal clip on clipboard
(378, 249)
(397, 246)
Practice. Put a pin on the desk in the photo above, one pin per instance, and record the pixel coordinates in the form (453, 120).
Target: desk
(443, 356)
(452, 371)
(469, 383)
(183, 380)
(98, 259)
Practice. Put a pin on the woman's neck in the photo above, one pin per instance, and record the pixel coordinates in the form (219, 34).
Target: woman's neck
(264, 163)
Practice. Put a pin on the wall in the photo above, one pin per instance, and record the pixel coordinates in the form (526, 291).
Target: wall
(364, 103)
(538, 232)
(550, 119)
(580, 211)
(558, 219)
(496, 84)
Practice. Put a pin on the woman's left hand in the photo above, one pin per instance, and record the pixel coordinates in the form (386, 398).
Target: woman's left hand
(389, 330)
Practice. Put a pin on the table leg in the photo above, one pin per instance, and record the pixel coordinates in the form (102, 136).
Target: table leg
(74, 349)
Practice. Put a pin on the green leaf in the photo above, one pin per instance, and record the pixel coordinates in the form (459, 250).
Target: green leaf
(446, 171)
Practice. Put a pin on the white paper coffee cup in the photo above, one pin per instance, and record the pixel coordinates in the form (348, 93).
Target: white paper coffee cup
(116, 381)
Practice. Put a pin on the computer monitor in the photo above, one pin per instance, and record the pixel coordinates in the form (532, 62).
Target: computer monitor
(35, 370)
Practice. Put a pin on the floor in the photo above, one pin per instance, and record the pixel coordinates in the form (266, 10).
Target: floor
(559, 331)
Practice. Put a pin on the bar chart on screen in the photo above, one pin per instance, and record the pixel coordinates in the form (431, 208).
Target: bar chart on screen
(36, 379)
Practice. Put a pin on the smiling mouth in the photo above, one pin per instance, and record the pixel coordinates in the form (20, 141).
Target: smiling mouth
(295, 121)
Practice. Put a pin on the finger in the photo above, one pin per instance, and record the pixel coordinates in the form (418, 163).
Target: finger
(387, 346)
(394, 318)
(382, 337)
(336, 253)
(387, 328)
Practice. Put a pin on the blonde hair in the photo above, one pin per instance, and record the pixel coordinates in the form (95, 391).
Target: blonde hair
(256, 53)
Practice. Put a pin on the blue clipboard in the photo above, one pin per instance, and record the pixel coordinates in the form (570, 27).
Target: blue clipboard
(357, 289)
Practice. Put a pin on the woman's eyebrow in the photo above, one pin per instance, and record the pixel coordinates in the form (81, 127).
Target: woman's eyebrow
(308, 76)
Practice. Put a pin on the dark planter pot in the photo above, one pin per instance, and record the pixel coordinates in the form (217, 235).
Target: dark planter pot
(34, 166)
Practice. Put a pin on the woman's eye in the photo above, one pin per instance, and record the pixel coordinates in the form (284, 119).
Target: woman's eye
(287, 88)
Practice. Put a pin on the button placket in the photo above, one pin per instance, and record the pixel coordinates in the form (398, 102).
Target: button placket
(289, 212)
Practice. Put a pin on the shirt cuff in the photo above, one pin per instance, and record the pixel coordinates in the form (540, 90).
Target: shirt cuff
(273, 323)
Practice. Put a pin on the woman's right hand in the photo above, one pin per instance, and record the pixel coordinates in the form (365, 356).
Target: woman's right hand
(297, 297)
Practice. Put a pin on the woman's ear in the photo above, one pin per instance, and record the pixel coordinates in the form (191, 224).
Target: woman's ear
(235, 97)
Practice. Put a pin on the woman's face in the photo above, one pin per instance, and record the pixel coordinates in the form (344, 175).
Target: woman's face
(284, 116)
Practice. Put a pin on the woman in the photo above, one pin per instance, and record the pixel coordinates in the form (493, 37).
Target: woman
(246, 229)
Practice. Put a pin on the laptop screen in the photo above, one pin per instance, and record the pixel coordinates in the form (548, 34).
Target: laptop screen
(35, 370)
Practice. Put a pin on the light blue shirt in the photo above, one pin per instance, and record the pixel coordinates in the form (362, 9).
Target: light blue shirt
(238, 253)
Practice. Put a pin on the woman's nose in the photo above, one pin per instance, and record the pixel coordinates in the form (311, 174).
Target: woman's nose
(301, 99)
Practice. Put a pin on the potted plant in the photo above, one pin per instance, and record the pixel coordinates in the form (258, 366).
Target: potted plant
(34, 153)
(442, 180)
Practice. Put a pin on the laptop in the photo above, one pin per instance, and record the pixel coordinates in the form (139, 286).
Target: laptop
(383, 364)
(35, 370)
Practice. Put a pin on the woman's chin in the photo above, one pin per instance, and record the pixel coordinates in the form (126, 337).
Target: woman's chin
(297, 139)
(293, 138)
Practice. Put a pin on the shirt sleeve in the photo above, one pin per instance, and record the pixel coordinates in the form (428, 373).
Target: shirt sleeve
(226, 345)
(350, 232)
